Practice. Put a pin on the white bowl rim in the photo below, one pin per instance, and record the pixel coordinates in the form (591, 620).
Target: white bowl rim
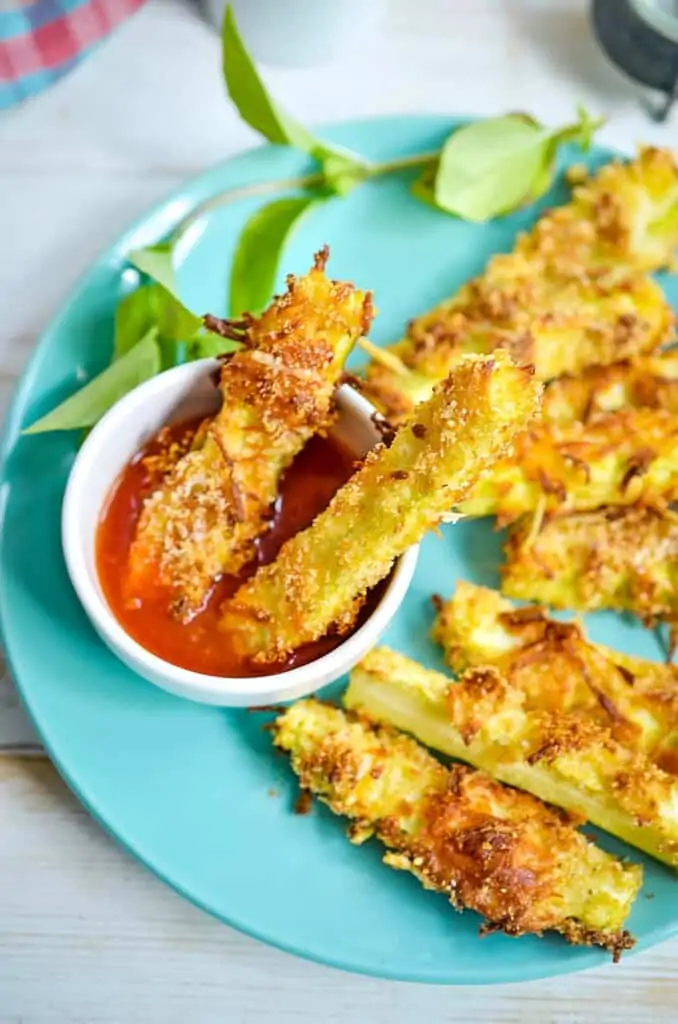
(186, 682)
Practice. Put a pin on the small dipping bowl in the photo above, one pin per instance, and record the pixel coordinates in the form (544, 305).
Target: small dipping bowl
(184, 393)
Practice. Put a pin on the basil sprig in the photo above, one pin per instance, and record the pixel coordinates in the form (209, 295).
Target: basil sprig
(483, 169)
(153, 331)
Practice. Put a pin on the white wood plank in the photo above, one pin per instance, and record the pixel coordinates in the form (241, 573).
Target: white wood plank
(16, 732)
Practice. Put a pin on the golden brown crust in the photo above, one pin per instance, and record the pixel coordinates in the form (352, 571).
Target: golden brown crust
(321, 576)
(277, 392)
(622, 216)
(530, 316)
(620, 458)
(559, 670)
(650, 382)
(572, 294)
(486, 846)
(620, 558)
(579, 935)
(558, 326)
(562, 757)
(619, 789)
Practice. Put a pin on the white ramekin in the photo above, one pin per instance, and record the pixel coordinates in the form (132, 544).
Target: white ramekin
(185, 392)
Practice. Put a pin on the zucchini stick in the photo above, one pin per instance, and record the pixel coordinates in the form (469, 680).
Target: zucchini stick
(561, 758)
(649, 382)
(277, 392)
(558, 325)
(624, 216)
(620, 558)
(321, 576)
(621, 458)
(560, 670)
(486, 847)
(571, 295)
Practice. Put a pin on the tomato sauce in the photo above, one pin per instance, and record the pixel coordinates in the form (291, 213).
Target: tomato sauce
(201, 645)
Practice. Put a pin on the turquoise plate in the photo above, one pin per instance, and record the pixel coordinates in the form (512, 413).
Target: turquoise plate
(188, 788)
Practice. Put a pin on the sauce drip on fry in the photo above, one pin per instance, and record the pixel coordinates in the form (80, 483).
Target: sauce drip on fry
(306, 489)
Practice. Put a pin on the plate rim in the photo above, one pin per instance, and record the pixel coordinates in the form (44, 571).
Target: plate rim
(586, 958)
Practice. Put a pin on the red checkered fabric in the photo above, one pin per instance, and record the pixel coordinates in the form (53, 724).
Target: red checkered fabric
(41, 40)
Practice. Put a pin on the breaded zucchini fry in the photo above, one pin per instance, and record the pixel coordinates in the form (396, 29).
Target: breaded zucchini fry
(623, 216)
(572, 294)
(558, 324)
(277, 392)
(620, 558)
(621, 458)
(561, 758)
(486, 847)
(560, 670)
(648, 382)
(321, 576)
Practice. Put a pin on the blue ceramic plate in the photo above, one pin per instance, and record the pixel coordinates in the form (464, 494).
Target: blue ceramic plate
(187, 788)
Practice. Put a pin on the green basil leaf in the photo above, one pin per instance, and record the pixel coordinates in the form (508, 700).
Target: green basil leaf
(152, 306)
(165, 309)
(491, 167)
(174, 321)
(210, 345)
(258, 252)
(487, 167)
(541, 182)
(342, 174)
(581, 132)
(423, 187)
(156, 262)
(172, 353)
(258, 108)
(523, 115)
(250, 95)
(89, 404)
(135, 315)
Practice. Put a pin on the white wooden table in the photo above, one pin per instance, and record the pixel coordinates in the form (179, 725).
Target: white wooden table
(86, 934)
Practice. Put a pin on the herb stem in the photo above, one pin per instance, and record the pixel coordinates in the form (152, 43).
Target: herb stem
(404, 163)
(303, 182)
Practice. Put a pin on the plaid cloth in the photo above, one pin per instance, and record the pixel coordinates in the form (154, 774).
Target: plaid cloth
(41, 40)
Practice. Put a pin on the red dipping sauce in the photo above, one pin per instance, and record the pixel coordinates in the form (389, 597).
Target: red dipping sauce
(201, 645)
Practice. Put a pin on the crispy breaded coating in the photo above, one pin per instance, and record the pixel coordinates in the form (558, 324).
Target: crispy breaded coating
(624, 216)
(620, 558)
(620, 458)
(561, 758)
(649, 382)
(277, 392)
(559, 325)
(559, 670)
(486, 847)
(320, 578)
(572, 294)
